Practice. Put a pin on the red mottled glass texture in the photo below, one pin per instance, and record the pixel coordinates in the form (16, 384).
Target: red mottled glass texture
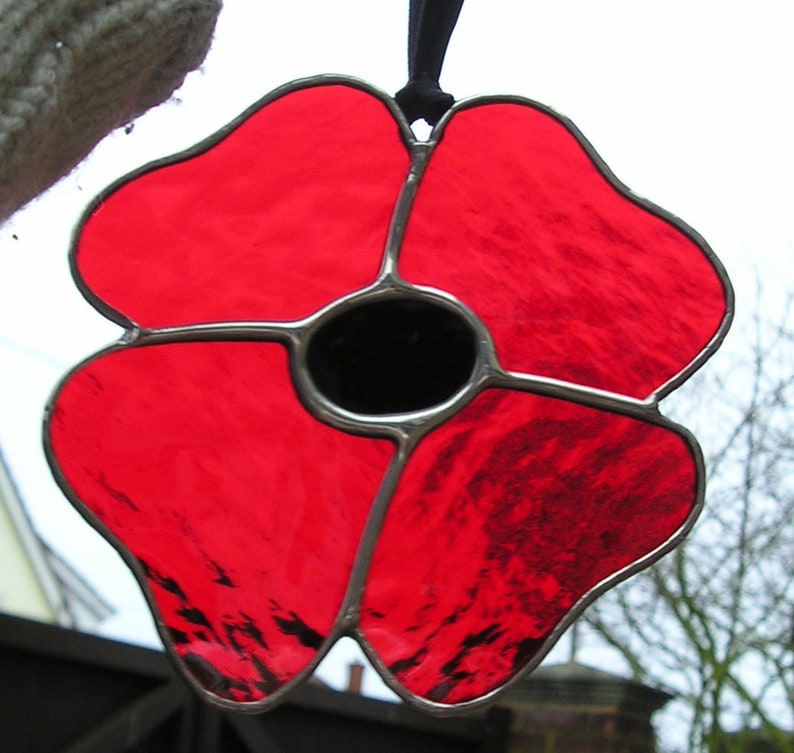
(263, 527)
(247, 560)
(504, 518)
(574, 281)
(289, 212)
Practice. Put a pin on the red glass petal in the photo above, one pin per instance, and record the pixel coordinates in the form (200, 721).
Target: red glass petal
(503, 520)
(574, 280)
(284, 215)
(244, 512)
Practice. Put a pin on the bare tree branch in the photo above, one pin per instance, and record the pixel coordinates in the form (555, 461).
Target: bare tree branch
(714, 621)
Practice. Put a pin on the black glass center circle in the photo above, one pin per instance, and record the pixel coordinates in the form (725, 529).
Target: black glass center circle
(391, 356)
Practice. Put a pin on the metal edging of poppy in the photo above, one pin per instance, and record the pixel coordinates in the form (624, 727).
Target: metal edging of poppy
(404, 429)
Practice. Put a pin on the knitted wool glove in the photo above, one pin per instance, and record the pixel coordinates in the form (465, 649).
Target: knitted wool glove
(73, 70)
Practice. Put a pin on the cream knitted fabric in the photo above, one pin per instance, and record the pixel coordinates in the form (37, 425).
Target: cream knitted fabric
(73, 70)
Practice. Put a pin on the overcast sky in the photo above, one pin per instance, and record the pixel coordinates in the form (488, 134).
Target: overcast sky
(688, 102)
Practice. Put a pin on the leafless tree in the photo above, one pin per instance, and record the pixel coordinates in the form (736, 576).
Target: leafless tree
(714, 620)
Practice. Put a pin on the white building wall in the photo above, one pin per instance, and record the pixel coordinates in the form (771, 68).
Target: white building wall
(25, 588)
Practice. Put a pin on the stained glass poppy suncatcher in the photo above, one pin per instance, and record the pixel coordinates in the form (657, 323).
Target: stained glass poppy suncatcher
(401, 390)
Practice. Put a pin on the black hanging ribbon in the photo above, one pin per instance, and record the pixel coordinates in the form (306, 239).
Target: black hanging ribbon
(430, 27)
